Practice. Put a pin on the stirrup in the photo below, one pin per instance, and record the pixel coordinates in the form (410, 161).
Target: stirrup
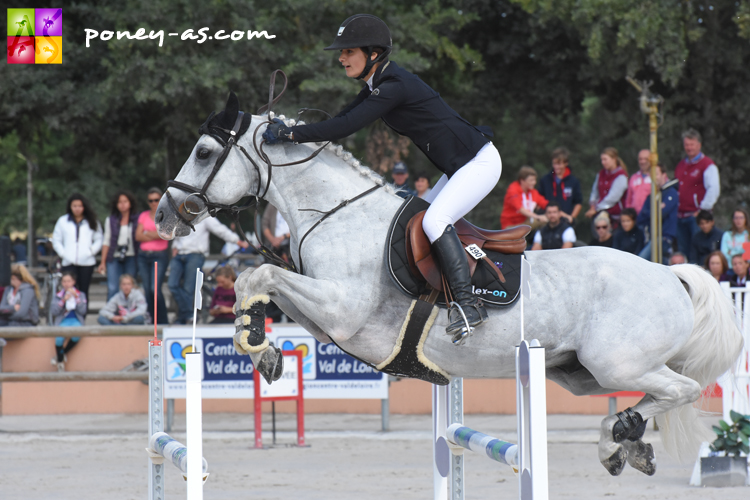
(460, 337)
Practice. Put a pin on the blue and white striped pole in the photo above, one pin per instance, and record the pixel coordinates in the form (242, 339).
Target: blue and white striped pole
(496, 449)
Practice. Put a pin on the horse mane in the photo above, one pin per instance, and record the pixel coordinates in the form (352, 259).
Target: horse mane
(348, 158)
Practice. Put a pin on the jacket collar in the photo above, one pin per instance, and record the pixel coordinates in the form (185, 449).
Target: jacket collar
(388, 67)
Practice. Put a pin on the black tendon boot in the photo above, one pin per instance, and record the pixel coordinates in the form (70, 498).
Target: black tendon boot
(452, 258)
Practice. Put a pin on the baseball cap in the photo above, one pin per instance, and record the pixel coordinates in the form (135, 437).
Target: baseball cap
(400, 168)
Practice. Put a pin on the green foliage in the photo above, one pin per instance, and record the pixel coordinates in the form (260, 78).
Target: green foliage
(735, 438)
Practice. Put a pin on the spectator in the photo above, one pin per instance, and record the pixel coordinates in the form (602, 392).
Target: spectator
(20, 302)
(126, 307)
(521, 201)
(705, 241)
(732, 240)
(224, 296)
(422, 185)
(677, 258)
(603, 229)
(400, 176)
(19, 251)
(188, 255)
(740, 268)
(629, 237)
(610, 186)
(77, 239)
(557, 233)
(275, 232)
(152, 249)
(669, 201)
(68, 308)
(562, 186)
(120, 250)
(717, 265)
(639, 186)
(699, 187)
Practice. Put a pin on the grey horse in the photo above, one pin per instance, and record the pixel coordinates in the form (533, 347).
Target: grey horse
(609, 320)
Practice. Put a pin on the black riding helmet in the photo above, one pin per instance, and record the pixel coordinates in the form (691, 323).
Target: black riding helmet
(365, 31)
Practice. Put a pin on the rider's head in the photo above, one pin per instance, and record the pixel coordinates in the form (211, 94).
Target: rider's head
(365, 42)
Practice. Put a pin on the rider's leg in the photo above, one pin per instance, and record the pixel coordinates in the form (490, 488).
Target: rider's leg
(455, 198)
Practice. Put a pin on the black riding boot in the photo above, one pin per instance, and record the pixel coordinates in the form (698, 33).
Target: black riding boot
(452, 258)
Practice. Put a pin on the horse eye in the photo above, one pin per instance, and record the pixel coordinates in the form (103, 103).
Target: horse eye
(203, 153)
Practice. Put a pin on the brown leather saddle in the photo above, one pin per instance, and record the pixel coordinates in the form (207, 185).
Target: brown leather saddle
(424, 266)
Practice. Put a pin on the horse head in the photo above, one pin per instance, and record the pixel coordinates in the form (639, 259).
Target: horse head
(215, 176)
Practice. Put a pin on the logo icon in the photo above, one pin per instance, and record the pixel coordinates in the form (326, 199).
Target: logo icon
(34, 36)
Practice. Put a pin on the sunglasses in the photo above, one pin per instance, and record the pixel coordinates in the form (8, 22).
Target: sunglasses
(153, 201)
(601, 227)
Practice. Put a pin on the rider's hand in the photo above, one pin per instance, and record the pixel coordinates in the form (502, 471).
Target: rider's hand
(277, 132)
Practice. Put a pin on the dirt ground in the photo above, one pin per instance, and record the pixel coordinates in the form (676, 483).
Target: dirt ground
(80, 457)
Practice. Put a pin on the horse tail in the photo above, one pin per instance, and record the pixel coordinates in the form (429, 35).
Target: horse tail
(712, 348)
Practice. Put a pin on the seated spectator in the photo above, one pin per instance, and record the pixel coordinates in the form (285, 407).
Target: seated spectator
(717, 265)
(603, 229)
(422, 185)
(562, 186)
(68, 308)
(677, 258)
(522, 200)
(18, 250)
(732, 240)
(669, 204)
(127, 307)
(224, 297)
(705, 241)
(740, 268)
(20, 303)
(610, 186)
(557, 233)
(629, 237)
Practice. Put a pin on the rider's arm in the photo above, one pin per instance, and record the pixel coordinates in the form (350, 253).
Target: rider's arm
(364, 93)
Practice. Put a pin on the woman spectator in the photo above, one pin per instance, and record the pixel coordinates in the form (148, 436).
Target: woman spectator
(127, 307)
(120, 250)
(68, 308)
(717, 265)
(521, 201)
(629, 237)
(610, 186)
(224, 297)
(20, 303)
(77, 239)
(422, 185)
(603, 230)
(152, 249)
(732, 240)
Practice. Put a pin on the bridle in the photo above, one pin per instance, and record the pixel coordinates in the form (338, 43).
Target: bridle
(197, 202)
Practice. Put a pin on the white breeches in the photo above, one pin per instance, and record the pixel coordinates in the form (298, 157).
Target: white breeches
(453, 198)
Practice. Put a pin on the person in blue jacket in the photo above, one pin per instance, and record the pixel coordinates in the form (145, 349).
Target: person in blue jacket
(669, 203)
(469, 161)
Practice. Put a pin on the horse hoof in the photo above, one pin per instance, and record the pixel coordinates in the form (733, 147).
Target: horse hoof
(616, 462)
(641, 457)
(271, 364)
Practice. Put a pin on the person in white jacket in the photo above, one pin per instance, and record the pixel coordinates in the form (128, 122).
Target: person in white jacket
(77, 239)
(188, 255)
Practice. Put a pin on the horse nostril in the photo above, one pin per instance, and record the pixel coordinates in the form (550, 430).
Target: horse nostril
(159, 216)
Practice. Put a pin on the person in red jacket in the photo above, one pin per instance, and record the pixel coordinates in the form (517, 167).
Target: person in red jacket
(610, 186)
(521, 201)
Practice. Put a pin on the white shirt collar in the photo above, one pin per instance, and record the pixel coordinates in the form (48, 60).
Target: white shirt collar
(369, 82)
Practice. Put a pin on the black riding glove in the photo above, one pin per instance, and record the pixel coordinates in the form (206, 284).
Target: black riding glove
(277, 132)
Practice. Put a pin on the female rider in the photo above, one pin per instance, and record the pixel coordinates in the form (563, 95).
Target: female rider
(470, 163)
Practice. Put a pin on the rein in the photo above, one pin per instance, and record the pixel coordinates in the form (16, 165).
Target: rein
(202, 203)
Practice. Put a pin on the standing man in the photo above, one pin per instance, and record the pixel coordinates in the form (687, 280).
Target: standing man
(699, 187)
(639, 187)
(188, 255)
(557, 233)
(562, 186)
(400, 176)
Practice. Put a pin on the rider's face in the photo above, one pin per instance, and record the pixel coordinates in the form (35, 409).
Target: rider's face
(353, 61)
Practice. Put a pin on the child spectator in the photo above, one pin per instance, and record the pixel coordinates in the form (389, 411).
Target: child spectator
(732, 240)
(717, 265)
(521, 201)
(740, 268)
(610, 186)
(562, 186)
(20, 303)
(603, 229)
(705, 241)
(127, 307)
(224, 297)
(628, 238)
(68, 308)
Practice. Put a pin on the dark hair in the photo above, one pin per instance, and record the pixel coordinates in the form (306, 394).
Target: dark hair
(70, 273)
(88, 212)
(114, 210)
(154, 190)
(747, 219)
(422, 175)
(552, 204)
(560, 153)
(718, 253)
(704, 215)
(629, 212)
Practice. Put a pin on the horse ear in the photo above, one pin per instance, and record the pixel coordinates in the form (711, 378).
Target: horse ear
(231, 110)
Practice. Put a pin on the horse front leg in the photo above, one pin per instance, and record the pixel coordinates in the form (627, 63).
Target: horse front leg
(325, 308)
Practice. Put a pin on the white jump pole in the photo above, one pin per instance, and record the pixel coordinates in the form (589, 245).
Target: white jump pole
(193, 407)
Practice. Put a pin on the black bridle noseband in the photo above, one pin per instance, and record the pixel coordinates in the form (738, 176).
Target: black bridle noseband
(197, 201)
